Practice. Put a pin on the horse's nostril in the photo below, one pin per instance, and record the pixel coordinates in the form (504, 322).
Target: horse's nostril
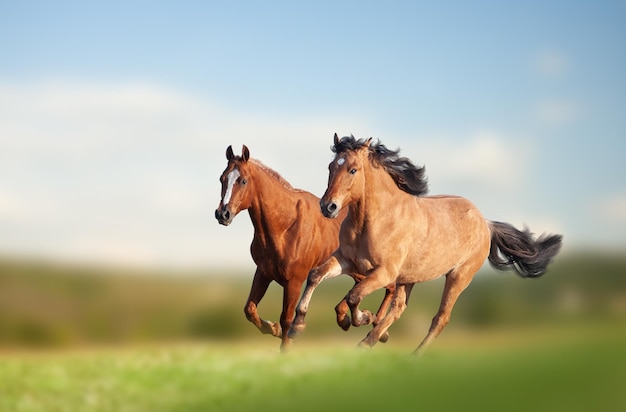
(222, 215)
(331, 207)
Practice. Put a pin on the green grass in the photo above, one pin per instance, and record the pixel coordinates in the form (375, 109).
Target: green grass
(557, 343)
(573, 369)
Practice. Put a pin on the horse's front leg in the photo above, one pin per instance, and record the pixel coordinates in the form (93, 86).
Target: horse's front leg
(342, 309)
(378, 278)
(343, 320)
(260, 283)
(329, 269)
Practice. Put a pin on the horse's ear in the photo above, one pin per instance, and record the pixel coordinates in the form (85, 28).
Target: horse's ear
(245, 153)
(336, 139)
(229, 153)
(369, 142)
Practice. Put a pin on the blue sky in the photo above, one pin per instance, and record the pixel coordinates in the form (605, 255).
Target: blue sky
(114, 117)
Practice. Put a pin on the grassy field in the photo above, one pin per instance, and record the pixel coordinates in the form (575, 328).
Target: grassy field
(50, 305)
(104, 339)
(578, 368)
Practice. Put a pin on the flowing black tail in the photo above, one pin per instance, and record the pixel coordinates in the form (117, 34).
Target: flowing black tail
(520, 251)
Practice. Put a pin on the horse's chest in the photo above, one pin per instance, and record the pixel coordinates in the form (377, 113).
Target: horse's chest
(276, 261)
(359, 256)
(363, 264)
(267, 256)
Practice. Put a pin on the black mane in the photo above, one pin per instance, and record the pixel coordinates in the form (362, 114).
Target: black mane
(407, 176)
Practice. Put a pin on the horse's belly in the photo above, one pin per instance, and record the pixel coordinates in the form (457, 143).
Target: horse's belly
(433, 265)
(406, 276)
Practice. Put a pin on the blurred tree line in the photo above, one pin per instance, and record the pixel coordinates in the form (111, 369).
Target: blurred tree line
(45, 304)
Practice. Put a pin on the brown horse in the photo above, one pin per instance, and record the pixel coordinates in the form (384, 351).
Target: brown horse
(291, 236)
(393, 234)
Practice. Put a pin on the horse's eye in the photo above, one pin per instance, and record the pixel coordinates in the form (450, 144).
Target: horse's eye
(352, 171)
(244, 181)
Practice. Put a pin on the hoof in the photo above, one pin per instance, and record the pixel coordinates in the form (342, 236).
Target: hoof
(272, 328)
(365, 318)
(277, 330)
(285, 347)
(345, 323)
(384, 337)
(296, 330)
(364, 344)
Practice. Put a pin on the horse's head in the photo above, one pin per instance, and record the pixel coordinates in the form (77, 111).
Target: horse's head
(346, 181)
(236, 194)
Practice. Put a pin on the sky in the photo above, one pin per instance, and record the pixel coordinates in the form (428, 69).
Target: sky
(115, 116)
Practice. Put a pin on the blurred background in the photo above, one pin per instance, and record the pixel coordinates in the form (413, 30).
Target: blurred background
(115, 117)
(52, 306)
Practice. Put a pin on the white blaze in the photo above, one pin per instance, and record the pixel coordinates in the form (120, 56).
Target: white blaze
(341, 161)
(232, 178)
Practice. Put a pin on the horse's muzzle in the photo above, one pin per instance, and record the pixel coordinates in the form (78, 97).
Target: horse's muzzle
(223, 216)
(329, 209)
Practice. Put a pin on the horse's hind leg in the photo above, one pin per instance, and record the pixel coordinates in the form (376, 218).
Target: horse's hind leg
(329, 269)
(398, 305)
(384, 308)
(456, 282)
(384, 305)
(260, 284)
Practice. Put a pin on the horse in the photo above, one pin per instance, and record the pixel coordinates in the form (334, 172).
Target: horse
(394, 233)
(291, 236)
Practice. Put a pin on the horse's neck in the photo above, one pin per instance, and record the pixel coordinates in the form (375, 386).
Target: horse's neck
(380, 190)
(272, 210)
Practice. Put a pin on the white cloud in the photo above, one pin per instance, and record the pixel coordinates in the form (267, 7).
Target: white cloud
(69, 119)
(482, 157)
(551, 63)
(555, 110)
(129, 172)
(558, 112)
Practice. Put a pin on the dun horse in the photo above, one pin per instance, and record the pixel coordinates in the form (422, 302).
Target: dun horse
(290, 235)
(394, 234)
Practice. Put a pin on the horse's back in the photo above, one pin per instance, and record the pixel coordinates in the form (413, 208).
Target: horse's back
(457, 219)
